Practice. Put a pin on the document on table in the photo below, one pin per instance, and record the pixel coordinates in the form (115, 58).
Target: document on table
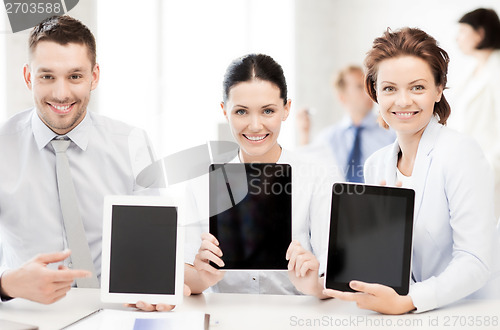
(110, 319)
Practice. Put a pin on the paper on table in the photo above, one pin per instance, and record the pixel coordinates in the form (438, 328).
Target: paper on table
(110, 319)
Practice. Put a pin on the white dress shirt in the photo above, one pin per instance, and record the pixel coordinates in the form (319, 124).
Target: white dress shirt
(104, 156)
(311, 200)
(455, 239)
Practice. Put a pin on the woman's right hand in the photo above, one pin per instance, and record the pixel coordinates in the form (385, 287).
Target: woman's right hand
(209, 251)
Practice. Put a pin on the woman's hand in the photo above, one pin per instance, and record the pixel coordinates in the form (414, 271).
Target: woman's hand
(201, 275)
(303, 270)
(375, 297)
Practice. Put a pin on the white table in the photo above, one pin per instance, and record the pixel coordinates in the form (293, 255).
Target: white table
(243, 311)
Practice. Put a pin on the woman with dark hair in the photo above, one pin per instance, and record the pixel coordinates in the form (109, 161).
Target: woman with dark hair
(476, 101)
(255, 104)
(455, 238)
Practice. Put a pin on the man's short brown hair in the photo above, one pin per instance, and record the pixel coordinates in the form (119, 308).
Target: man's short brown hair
(339, 82)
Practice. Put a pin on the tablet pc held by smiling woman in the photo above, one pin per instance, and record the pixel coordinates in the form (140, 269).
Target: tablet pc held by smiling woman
(255, 231)
(370, 238)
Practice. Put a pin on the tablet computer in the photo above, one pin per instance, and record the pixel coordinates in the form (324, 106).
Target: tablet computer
(370, 236)
(254, 234)
(142, 250)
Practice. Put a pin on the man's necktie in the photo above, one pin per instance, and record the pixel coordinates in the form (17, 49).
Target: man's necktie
(354, 170)
(75, 233)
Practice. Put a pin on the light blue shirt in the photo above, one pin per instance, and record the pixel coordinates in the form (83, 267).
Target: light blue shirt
(104, 156)
(340, 139)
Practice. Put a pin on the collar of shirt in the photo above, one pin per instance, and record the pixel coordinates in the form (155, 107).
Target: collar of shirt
(43, 134)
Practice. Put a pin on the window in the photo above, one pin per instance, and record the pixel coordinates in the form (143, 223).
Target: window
(162, 69)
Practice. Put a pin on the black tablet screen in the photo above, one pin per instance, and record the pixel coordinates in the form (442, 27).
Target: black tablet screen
(256, 232)
(143, 249)
(370, 236)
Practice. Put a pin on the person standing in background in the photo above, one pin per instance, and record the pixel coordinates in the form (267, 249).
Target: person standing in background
(351, 141)
(476, 102)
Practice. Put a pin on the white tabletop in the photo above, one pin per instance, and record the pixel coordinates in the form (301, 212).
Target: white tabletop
(246, 311)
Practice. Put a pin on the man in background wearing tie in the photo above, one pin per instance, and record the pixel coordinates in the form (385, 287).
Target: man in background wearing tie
(59, 161)
(351, 141)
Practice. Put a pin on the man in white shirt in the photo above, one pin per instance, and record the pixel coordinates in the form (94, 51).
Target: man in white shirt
(104, 158)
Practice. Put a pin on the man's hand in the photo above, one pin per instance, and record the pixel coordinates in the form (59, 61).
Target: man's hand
(34, 281)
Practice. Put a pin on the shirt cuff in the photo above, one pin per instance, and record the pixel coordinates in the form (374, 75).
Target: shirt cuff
(423, 296)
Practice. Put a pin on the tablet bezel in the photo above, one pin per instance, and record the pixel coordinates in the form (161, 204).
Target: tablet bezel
(132, 298)
(351, 189)
(212, 219)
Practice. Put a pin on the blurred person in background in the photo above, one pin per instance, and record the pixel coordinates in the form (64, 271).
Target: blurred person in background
(476, 101)
(352, 140)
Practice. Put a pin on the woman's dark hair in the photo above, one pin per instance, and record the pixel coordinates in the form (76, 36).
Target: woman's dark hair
(409, 42)
(487, 19)
(254, 66)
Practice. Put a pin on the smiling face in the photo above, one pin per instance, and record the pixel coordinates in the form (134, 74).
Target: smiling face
(61, 78)
(406, 93)
(255, 111)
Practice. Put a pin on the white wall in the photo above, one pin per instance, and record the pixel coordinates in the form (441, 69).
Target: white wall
(128, 53)
(163, 71)
(200, 39)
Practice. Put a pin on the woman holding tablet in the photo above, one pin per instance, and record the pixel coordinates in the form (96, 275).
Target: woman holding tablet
(255, 104)
(455, 234)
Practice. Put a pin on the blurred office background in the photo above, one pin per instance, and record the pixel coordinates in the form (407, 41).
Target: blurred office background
(162, 61)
